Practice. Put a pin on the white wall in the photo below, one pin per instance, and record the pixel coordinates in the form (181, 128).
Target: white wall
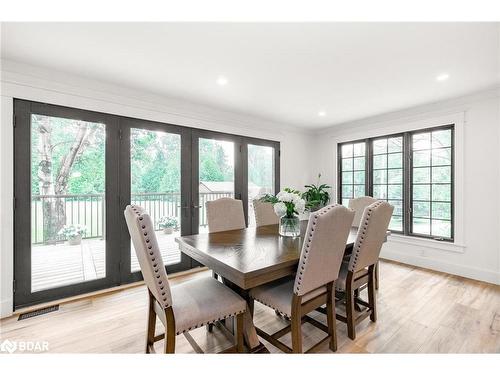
(31, 83)
(476, 251)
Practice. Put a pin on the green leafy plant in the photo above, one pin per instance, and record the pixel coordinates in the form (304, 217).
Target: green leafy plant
(316, 195)
(168, 222)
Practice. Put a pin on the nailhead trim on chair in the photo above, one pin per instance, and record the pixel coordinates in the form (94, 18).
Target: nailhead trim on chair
(209, 322)
(272, 307)
(308, 245)
(361, 235)
(152, 258)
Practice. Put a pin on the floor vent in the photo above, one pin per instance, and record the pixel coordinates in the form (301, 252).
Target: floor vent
(45, 310)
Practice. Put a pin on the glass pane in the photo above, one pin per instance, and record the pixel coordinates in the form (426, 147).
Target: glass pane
(441, 228)
(422, 158)
(441, 138)
(441, 174)
(67, 202)
(422, 226)
(380, 191)
(216, 177)
(347, 177)
(395, 144)
(359, 163)
(441, 192)
(359, 149)
(421, 175)
(260, 175)
(441, 210)
(347, 191)
(359, 191)
(380, 176)
(441, 156)
(422, 209)
(396, 223)
(395, 192)
(422, 192)
(421, 141)
(380, 146)
(395, 160)
(155, 183)
(347, 164)
(380, 161)
(359, 177)
(347, 151)
(398, 207)
(395, 176)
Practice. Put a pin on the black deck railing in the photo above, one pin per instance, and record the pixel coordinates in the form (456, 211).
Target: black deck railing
(88, 210)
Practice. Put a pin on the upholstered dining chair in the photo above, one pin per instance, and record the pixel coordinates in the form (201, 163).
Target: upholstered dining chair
(313, 285)
(264, 213)
(225, 214)
(359, 205)
(360, 270)
(182, 307)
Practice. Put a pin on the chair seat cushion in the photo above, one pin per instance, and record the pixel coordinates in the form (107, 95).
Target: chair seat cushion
(340, 283)
(278, 295)
(201, 301)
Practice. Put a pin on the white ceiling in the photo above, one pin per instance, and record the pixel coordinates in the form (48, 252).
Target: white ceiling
(283, 72)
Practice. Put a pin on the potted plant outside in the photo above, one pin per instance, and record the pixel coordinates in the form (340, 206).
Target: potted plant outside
(168, 224)
(73, 234)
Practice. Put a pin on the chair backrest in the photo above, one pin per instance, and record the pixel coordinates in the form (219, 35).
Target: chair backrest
(264, 213)
(359, 205)
(225, 214)
(371, 235)
(323, 248)
(143, 237)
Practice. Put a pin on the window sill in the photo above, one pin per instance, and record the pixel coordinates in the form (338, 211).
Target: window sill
(427, 242)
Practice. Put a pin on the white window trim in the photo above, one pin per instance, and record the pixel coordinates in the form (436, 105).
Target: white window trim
(401, 126)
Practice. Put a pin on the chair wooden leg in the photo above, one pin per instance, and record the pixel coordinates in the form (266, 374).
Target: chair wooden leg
(351, 329)
(150, 334)
(296, 334)
(372, 298)
(296, 324)
(331, 320)
(169, 342)
(169, 346)
(240, 347)
(377, 275)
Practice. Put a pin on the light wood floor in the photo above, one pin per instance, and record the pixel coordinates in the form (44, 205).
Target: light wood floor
(420, 311)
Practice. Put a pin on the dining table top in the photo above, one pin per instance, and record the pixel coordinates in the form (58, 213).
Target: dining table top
(252, 256)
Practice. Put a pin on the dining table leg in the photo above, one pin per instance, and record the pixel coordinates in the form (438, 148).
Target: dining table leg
(249, 332)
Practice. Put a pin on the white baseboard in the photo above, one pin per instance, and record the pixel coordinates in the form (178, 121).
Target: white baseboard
(438, 265)
(6, 308)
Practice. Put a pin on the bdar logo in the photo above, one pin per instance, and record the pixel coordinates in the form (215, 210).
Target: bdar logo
(8, 346)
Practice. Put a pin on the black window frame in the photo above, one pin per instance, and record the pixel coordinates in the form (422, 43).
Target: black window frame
(407, 177)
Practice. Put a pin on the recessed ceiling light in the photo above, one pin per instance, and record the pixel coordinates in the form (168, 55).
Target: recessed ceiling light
(321, 113)
(442, 77)
(222, 81)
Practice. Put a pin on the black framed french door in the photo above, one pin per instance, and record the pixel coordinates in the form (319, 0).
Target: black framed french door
(156, 175)
(76, 170)
(65, 184)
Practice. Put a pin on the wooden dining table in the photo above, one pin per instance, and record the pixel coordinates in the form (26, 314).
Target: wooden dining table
(247, 258)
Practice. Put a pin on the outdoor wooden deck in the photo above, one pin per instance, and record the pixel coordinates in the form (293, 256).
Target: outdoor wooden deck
(62, 264)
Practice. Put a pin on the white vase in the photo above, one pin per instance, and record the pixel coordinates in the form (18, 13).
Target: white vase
(168, 230)
(75, 240)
